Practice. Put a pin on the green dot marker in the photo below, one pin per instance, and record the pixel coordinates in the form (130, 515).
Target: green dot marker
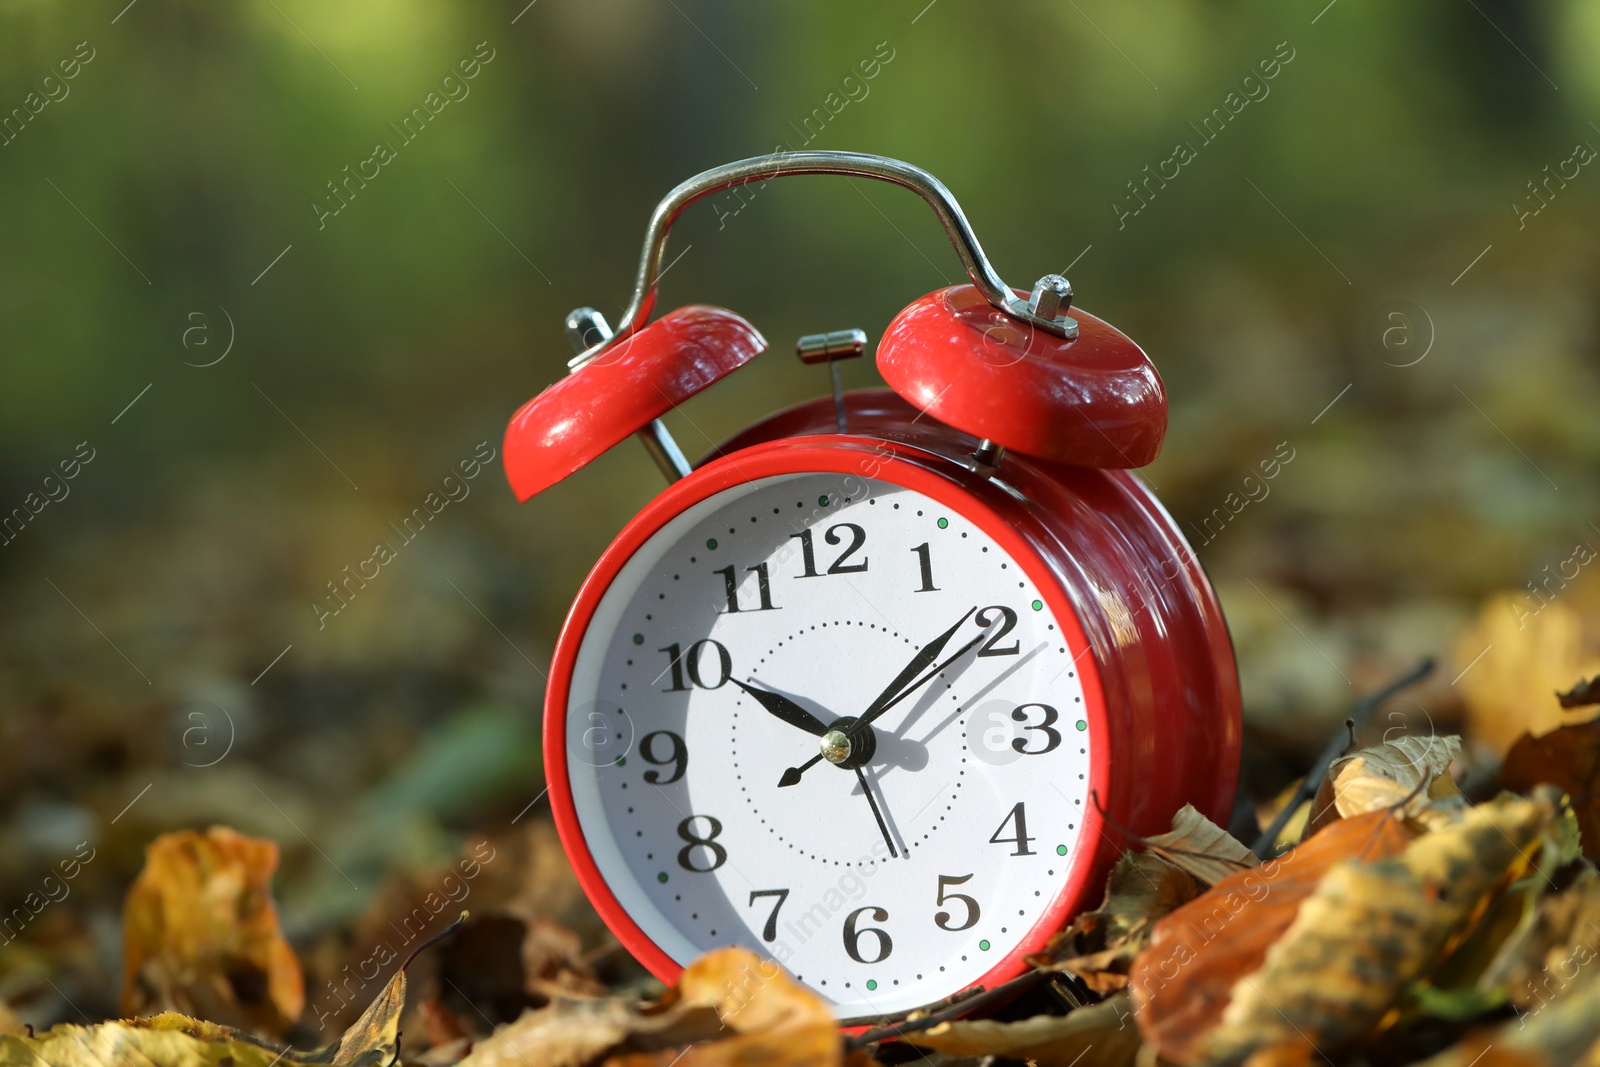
(944, 524)
(638, 639)
(872, 983)
(1038, 605)
(622, 761)
(1061, 850)
(984, 945)
(711, 542)
(823, 500)
(1082, 725)
(662, 877)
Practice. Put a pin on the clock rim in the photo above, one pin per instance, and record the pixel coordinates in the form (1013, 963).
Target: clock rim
(910, 468)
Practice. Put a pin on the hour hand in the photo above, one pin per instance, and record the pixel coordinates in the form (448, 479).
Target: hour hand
(785, 709)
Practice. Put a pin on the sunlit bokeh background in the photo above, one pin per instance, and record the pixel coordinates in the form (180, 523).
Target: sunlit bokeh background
(1380, 258)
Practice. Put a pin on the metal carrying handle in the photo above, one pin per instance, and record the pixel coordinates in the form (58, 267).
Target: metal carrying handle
(1046, 309)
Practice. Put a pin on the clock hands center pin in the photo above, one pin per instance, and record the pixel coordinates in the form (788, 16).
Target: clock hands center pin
(856, 733)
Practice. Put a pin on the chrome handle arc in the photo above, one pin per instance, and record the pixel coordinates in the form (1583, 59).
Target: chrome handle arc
(849, 164)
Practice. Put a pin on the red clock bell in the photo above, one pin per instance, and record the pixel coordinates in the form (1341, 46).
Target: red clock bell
(875, 688)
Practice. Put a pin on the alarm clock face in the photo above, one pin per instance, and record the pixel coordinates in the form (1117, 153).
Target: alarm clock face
(722, 800)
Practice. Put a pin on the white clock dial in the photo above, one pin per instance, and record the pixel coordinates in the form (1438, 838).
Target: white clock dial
(750, 625)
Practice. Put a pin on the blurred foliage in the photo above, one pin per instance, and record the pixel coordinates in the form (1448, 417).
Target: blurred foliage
(378, 350)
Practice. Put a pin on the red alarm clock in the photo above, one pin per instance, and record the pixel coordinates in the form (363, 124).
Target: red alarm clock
(879, 687)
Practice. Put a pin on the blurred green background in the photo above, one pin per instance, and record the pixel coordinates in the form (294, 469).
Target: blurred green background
(1354, 266)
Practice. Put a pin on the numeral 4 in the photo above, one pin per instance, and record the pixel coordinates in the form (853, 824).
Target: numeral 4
(1017, 815)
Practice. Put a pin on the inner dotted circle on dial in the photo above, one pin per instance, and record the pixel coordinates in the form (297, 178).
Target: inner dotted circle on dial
(733, 733)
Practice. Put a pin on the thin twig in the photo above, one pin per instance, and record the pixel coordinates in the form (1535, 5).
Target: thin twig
(1336, 745)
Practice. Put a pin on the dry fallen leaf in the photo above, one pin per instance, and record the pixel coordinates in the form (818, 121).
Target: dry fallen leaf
(1099, 946)
(1569, 759)
(1513, 658)
(142, 1041)
(1546, 954)
(1410, 775)
(200, 933)
(173, 1040)
(1201, 847)
(1371, 929)
(1565, 1034)
(1098, 1035)
(1185, 979)
(729, 1007)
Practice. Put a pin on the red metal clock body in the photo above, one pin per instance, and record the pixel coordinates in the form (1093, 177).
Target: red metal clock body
(880, 686)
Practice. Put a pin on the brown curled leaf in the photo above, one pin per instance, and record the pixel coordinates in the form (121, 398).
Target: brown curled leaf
(1099, 946)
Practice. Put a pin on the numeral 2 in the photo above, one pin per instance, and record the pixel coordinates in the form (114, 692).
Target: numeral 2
(808, 551)
(1008, 622)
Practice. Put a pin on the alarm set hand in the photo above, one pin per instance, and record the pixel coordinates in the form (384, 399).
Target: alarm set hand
(898, 688)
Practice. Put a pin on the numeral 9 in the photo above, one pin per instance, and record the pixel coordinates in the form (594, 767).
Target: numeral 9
(678, 756)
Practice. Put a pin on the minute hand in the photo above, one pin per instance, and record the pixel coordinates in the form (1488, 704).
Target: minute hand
(919, 663)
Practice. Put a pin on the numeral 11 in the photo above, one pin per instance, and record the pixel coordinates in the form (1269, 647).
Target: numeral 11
(730, 583)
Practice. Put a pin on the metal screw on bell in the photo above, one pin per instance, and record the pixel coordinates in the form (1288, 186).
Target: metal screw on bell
(1052, 297)
(988, 454)
(587, 328)
(830, 348)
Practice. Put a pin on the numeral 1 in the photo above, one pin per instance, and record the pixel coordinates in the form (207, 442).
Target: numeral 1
(808, 553)
(730, 584)
(926, 563)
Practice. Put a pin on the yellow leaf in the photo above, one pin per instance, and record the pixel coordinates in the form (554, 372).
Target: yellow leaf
(201, 936)
(1528, 654)
(132, 1043)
